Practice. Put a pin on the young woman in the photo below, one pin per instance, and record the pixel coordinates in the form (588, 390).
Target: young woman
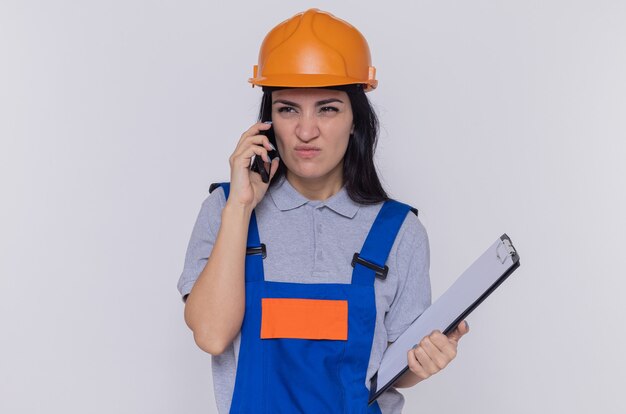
(297, 286)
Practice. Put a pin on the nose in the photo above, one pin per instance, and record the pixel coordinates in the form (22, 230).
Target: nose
(307, 128)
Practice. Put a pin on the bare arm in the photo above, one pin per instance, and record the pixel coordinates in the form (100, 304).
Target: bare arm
(215, 306)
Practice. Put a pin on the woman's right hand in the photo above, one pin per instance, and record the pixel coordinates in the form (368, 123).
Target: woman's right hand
(246, 187)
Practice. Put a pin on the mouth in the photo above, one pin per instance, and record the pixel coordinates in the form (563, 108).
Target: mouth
(306, 152)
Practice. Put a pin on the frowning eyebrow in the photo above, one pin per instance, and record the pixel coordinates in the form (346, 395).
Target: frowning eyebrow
(318, 103)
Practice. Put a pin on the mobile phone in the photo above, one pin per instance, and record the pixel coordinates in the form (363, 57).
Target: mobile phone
(258, 165)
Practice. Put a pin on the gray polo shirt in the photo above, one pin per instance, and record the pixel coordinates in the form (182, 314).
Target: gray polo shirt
(312, 241)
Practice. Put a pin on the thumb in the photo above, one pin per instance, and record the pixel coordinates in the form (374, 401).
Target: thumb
(274, 167)
(460, 330)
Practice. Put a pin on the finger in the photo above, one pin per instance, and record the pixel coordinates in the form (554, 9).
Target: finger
(415, 366)
(266, 163)
(244, 159)
(254, 140)
(438, 356)
(445, 345)
(261, 140)
(425, 361)
(244, 149)
(459, 331)
(254, 130)
(274, 167)
(440, 340)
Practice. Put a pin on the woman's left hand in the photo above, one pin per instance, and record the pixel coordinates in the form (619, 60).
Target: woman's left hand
(435, 352)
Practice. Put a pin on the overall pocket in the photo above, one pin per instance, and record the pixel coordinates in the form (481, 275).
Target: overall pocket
(304, 342)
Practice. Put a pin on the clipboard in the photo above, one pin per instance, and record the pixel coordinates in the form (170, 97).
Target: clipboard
(466, 293)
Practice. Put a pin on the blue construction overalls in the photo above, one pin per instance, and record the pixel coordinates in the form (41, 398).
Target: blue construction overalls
(311, 373)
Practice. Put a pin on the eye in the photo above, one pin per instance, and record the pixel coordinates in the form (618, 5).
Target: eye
(329, 109)
(287, 109)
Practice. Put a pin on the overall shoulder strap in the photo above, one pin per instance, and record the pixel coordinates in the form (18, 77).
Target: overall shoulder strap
(370, 262)
(225, 186)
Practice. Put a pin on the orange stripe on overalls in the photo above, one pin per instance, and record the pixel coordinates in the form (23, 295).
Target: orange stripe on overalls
(304, 318)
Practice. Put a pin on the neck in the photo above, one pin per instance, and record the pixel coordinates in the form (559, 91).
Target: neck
(320, 188)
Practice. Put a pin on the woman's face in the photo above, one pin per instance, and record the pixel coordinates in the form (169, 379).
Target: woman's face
(312, 128)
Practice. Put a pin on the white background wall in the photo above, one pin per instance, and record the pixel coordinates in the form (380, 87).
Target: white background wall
(497, 116)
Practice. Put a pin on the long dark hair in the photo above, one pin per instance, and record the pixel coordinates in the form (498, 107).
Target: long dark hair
(359, 172)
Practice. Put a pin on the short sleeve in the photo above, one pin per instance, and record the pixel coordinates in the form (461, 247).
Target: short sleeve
(413, 293)
(202, 240)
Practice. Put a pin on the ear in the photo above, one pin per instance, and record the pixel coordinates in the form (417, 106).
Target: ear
(352, 130)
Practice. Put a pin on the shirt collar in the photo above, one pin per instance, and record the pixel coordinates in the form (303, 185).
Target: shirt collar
(286, 197)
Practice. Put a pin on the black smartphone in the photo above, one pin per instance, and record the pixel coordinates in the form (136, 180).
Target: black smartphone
(258, 165)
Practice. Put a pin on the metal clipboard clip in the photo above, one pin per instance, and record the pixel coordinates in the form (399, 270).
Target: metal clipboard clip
(505, 250)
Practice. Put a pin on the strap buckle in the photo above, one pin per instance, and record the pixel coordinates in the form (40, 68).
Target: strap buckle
(257, 250)
(381, 272)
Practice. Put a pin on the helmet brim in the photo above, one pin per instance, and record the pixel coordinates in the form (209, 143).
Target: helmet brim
(310, 81)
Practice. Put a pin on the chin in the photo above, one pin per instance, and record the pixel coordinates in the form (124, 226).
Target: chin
(311, 170)
(308, 175)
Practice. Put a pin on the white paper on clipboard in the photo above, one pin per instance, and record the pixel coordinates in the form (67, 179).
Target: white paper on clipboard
(467, 292)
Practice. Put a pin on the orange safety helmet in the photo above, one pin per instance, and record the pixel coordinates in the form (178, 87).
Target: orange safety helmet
(314, 49)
